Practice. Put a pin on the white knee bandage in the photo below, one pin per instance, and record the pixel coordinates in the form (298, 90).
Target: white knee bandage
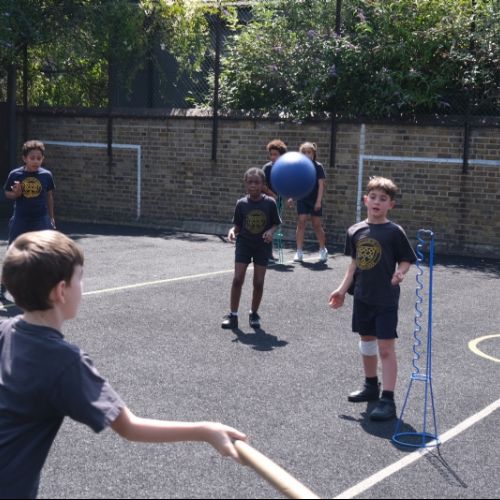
(369, 348)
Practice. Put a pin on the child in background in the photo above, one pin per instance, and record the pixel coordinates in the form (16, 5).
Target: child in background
(255, 220)
(31, 187)
(275, 149)
(381, 256)
(43, 378)
(312, 206)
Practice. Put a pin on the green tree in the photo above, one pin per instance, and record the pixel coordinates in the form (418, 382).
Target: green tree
(72, 43)
(393, 58)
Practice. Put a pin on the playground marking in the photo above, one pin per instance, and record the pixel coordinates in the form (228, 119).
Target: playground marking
(157, 282)
(164, 281)
(172, 280)
(473, 347)
(418, 454)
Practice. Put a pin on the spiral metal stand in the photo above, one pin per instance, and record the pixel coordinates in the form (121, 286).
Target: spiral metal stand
(424, 439)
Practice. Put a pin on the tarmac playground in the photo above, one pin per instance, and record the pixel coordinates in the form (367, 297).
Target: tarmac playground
(150, 320)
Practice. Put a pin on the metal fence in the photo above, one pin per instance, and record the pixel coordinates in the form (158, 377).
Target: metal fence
(274, 88)
(165, 84)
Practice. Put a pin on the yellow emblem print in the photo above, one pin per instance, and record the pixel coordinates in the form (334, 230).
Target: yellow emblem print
(256, 222)
(368, 253)
(32, 187)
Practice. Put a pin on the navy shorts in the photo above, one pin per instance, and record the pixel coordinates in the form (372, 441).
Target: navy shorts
(258, 253)
(377, 321)
(18, 226)
(306, 207)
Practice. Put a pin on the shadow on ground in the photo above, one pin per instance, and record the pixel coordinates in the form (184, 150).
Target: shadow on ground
(383, 430)
(259, 340)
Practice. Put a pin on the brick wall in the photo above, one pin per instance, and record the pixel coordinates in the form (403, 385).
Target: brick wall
(182, 188)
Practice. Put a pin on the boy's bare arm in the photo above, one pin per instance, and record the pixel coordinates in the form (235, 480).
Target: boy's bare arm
(133, 428)
(268, 235)
(233, 232)
(50, 205)
(17, 191)
(399, 275)
(10, 195)
(321, 191)
(337, 297)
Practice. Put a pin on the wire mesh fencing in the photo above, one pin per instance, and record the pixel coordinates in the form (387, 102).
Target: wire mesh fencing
(294, 59)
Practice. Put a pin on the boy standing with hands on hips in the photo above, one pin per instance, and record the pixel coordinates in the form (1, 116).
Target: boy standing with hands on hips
(381, 257)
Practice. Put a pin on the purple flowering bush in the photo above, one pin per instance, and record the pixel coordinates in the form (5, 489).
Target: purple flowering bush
(393, 58)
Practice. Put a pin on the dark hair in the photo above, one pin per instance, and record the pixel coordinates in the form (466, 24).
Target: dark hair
(384, 184)
(255, 171)
(33, 146)
(35, 263)
(277, 145)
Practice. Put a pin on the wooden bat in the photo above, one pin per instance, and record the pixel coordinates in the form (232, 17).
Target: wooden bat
(272, 472)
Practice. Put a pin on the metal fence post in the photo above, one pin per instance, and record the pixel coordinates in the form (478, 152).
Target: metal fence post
(11, 115)
(333, 130)
(215, 122)
(25, 92)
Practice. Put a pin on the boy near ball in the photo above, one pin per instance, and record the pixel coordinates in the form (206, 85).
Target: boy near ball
(275, 149)
(381, 257)
(44, 379)
(255, 221)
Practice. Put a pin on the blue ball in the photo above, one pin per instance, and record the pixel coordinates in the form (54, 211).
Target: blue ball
(293, 176)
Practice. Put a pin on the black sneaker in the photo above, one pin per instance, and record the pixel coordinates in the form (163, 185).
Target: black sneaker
(368, 393)
(230, 322)
(254, 320)
(385, 410)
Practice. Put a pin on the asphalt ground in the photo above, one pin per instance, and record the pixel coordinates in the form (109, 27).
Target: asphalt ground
(150, 320)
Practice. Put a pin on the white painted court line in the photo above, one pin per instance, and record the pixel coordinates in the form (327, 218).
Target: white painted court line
(418, 454)
(165, 281)
(180, 278)
(158, 282)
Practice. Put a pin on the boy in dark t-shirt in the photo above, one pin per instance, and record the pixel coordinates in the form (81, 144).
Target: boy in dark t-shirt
(275, 149)
(381, 257)
(31, 187)
(43, 378)
(255, 220)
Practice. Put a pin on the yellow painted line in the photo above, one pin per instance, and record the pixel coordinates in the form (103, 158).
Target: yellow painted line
(473, 347)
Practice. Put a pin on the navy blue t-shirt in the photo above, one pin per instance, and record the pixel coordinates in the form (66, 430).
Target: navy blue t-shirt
(43, 379)
(255, 217)
(267, 168)
(320, 174)
(33, 202)
(377, 248)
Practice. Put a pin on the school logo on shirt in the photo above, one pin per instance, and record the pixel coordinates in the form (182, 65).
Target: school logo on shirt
(368, 253)
(256, 221)
(32, 187)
